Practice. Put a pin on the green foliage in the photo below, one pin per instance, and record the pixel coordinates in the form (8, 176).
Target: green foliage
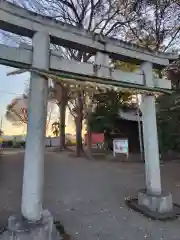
(168, 112)
(168, 121)
(108, 105)
(124, 66)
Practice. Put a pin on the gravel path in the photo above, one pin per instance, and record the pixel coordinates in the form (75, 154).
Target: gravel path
(88, 196)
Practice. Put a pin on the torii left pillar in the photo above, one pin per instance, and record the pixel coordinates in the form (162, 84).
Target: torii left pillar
(34, 223)
(34, 155)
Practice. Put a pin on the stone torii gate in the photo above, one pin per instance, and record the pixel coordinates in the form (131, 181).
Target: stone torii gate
(41, 60)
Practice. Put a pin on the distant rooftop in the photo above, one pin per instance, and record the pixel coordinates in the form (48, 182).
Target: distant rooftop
(130, 115)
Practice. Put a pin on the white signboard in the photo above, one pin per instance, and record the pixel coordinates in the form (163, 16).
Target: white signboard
(120, 146)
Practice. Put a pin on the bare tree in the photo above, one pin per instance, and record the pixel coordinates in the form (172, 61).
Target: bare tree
(153, 24)
(17, 112)
(158, 26)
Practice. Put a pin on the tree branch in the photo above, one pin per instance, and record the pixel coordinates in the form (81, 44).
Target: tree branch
(72, 7)
(172, 39)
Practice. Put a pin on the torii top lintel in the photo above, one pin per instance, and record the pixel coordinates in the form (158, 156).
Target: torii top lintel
(18, 20)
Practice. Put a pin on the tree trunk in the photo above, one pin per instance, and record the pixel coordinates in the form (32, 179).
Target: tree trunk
(89, 141)
(62, 100)
(79, 147)
(78, 121)
(89, 137)
(62, 109)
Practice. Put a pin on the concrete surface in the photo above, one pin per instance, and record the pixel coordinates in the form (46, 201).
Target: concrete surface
(88, 197)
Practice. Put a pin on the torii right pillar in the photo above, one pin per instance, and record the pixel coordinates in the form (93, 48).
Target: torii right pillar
(152, 198)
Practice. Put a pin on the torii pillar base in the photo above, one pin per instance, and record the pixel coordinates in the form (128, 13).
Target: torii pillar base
(155, 207)
(22, 229)
(156, 203)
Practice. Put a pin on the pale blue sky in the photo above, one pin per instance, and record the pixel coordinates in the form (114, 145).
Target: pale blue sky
(10, 87)
(13, 86)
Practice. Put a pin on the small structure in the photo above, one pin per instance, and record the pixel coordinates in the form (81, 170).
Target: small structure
(130, 126)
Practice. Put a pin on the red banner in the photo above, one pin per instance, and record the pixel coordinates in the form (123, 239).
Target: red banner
(96, 138)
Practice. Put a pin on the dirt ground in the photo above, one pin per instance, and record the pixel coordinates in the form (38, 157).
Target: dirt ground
(88, 196)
